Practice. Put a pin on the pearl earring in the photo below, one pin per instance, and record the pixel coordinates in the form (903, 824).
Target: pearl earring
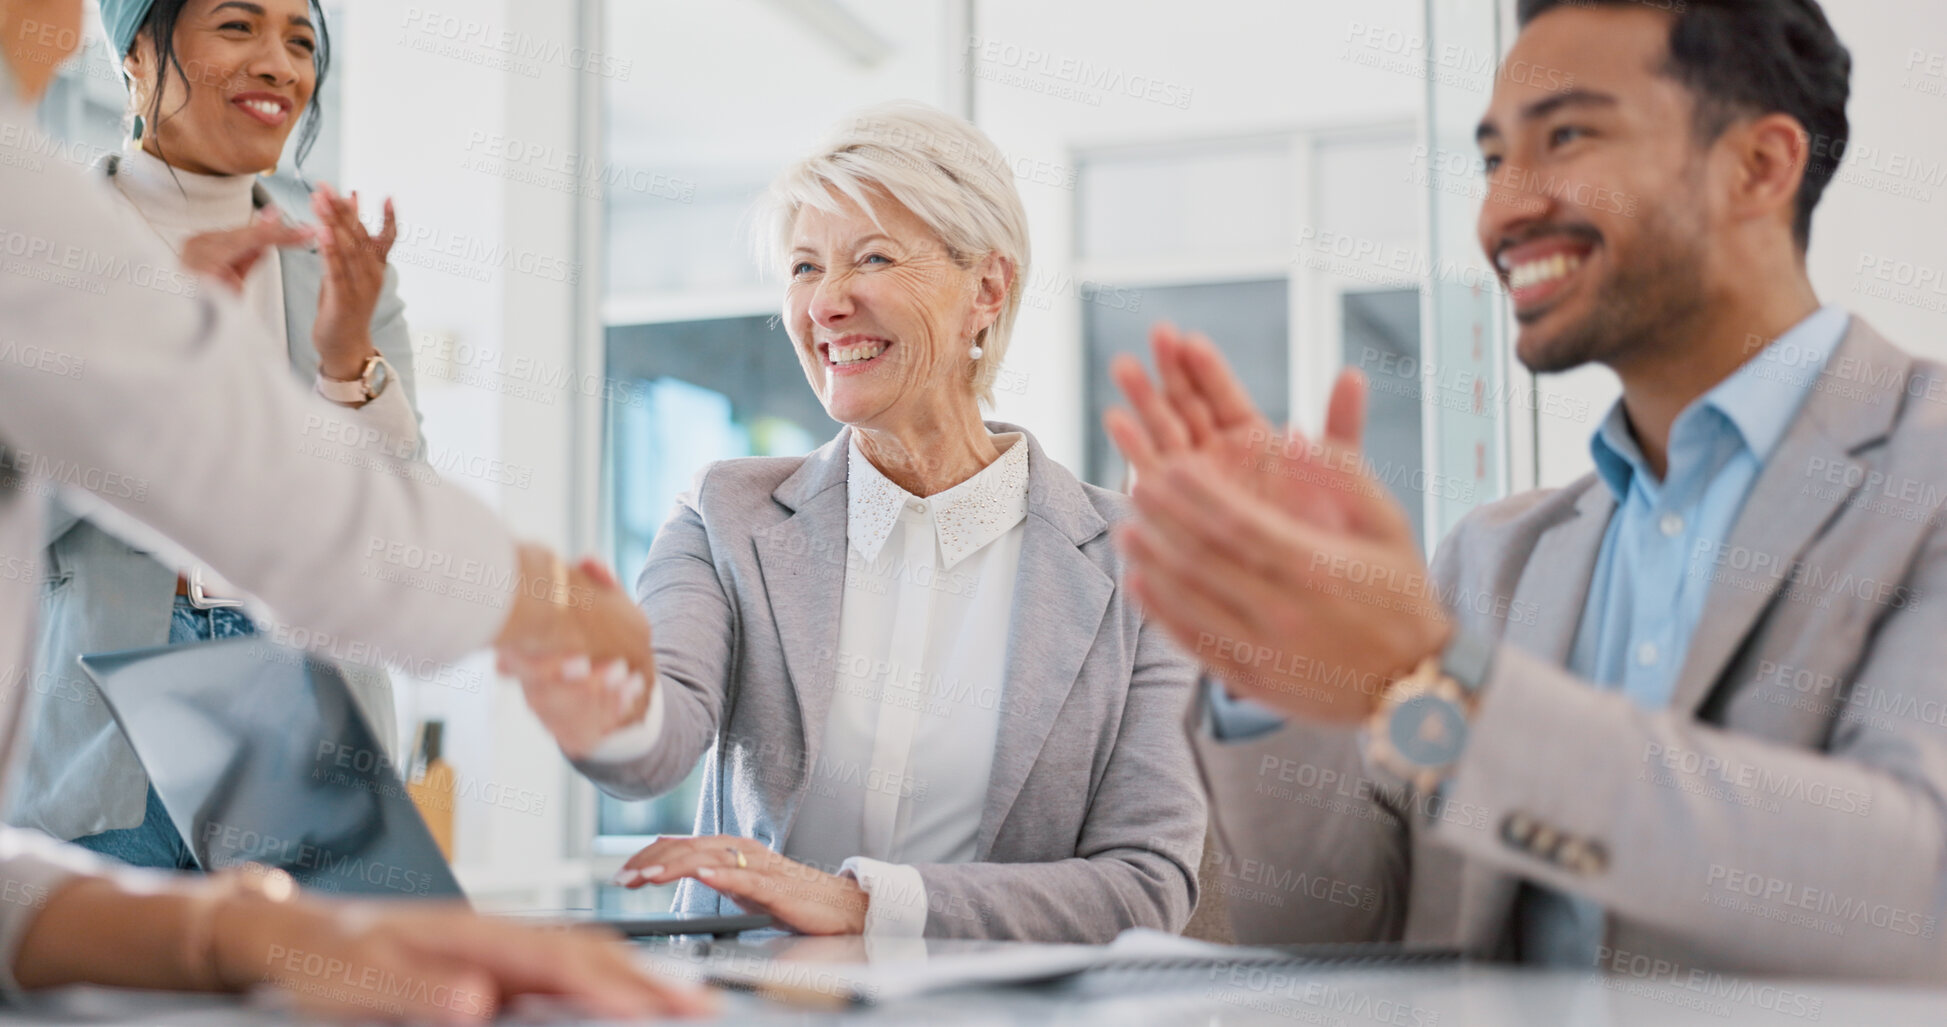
(976, 351)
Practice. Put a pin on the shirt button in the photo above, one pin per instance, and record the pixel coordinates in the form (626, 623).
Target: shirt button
(917, 506)
(1671, 525)
(1646, 653)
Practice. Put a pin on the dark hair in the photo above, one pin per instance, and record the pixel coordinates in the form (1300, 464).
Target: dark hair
(1754, 57)
(161, 28)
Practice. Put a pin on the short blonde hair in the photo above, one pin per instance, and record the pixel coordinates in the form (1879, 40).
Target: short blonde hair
(940, 167)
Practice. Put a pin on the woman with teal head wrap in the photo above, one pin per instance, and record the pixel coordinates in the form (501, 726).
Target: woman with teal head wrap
(121, 18)
(148, 36)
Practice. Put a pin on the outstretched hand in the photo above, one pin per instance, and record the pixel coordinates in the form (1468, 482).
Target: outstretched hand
(581, 649)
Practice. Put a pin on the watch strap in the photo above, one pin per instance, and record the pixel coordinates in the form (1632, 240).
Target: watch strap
(360, 389)
(353, 391)
(1468, 658)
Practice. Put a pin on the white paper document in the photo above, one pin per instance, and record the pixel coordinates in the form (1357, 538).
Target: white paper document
(909, 973)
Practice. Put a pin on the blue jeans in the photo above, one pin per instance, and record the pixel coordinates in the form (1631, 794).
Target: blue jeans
(155, 842)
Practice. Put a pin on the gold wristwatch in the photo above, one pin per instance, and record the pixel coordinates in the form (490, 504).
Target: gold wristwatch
(1420, 729)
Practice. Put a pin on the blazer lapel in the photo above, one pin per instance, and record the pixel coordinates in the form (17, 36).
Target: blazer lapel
(1060, 598)
(1780, 518)
(1555, 582)
(803, 563)
(299, 271)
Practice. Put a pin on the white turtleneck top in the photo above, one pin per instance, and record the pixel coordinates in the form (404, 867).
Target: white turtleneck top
(177, 205)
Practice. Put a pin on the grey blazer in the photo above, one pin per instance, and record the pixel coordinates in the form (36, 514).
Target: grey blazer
(1093, 822)
(99, 593)
(1786, 815)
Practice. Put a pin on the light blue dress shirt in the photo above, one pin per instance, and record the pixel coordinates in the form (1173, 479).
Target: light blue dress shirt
(1652, 574)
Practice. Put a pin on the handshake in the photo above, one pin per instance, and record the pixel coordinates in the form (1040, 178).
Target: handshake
(579, 646)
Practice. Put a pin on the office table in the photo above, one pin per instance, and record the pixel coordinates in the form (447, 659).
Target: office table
(1442, 996)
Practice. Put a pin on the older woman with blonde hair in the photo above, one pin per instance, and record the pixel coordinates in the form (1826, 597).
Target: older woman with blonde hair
(929, 706)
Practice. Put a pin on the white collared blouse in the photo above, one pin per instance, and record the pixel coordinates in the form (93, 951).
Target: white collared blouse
(901, 777)
(909, 744)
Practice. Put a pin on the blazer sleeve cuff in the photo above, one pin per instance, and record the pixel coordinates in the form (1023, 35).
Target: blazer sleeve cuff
(1524, 813)
(391, 415)
(896, 909)
(1229, 719)
(633, 742)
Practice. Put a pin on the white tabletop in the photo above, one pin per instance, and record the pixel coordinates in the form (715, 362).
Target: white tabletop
(1435, 997)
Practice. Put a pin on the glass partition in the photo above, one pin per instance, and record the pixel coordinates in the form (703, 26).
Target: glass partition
(1466, 372)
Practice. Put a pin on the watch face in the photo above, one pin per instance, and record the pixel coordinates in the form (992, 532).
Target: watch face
(1428, 731)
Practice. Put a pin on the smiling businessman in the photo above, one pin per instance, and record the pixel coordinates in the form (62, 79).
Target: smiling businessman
(1673, 716)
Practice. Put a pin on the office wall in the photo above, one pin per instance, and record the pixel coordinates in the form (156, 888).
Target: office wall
(1883, 225)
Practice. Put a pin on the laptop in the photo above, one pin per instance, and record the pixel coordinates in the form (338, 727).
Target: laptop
(260, 754)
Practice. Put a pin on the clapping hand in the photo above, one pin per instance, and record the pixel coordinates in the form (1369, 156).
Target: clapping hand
(1202, 408)
(581, 649)
(1280, 562)
(354, 278)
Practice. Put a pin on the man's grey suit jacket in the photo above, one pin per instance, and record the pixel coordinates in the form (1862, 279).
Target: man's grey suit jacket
(1787, 813)
(1094, 821)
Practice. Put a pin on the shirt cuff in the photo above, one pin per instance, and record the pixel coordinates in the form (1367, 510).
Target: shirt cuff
(1236, 720)
(632, 742)
(897, 894)
(391, 413)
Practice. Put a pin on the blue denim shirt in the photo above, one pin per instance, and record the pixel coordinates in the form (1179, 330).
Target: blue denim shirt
(1653, 572)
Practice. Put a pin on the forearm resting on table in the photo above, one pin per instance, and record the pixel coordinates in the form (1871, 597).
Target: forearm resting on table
(94, 930)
